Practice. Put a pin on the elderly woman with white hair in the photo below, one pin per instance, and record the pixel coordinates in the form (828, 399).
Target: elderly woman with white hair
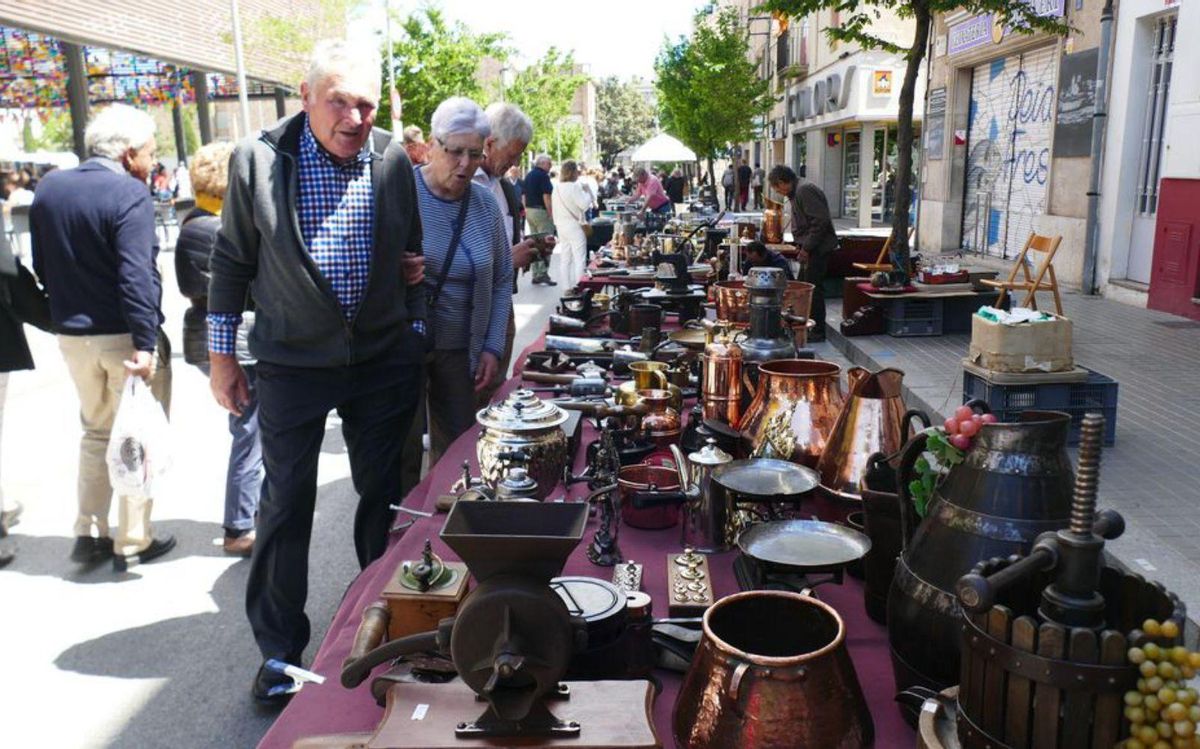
(468, 270)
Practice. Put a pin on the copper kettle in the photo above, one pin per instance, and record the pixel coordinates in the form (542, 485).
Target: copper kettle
(873, 420)
(771, 671)
(794, 410)
(721, 377)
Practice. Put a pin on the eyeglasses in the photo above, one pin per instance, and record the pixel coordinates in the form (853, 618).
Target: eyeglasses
(472, 154)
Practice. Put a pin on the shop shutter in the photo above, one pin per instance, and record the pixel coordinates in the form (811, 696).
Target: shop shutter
(1008, 150)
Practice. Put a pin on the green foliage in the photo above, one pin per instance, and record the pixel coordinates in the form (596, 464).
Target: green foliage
(191, 128)
(544, 91)
(945, 456)
(709, 91)
(623, 118)
(435, 60)
(293, 37)
(56, 133)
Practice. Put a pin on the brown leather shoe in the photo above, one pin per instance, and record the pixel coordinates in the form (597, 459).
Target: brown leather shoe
(240, 546)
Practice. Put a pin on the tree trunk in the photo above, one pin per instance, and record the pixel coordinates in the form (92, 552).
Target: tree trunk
(712, 178)
(904, 137)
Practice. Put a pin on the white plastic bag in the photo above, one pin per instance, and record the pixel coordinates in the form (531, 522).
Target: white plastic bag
(139, 449)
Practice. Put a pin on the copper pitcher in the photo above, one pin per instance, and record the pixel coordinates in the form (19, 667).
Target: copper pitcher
(771, 671)
(721, 379)
(773, 222)
(873, 420)
(795, 407)
(661, 423)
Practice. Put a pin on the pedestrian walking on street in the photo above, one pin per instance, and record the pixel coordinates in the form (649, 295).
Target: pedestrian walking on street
(193, 249)
(96, 250)
(757, 181)
(22, 301)
(745, 174)
(468, 280)
(571, 202)
(813, 234)
(727, 178)
(321, 218)
(539, 211)
(674, 186)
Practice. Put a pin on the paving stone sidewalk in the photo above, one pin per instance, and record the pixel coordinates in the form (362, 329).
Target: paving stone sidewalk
(1150, 473)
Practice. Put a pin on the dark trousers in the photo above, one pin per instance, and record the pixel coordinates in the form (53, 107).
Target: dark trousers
(376, 401)
(815, 274)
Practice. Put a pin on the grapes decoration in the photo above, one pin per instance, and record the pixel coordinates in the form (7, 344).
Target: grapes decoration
(1163, 711)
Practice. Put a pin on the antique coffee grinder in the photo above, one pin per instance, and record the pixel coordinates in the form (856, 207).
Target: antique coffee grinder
(673, 285)
(512, 641)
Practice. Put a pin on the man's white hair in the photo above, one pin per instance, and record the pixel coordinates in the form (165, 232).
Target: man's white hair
(509, 124)
(117, 129)
(358, 62)
(458, 115)
(537, 160)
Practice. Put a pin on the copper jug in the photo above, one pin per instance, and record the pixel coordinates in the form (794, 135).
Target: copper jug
(771, 671)
(773, 222)
(795, 407)
(873, 420)
(721, 379)
(661, 423)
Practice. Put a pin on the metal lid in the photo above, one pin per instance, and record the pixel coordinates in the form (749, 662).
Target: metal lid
(760, 278)
(709, 455)
(521, 411)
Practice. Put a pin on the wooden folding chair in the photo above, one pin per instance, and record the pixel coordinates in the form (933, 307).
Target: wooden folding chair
(882, 262)
(1043, 278)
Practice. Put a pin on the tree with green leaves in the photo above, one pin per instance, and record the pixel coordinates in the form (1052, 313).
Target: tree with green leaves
(709, 91)
(435, 60)
(544, 90)
(857, 19)
(291, 38)
(623, 118)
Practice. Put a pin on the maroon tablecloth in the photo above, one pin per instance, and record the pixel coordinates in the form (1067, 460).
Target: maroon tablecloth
(330, 708)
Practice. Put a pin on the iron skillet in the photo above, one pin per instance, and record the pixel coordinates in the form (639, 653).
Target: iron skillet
(803, 545)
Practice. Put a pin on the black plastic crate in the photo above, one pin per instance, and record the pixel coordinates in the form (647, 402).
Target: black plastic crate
(1098, 393)
(914, 317)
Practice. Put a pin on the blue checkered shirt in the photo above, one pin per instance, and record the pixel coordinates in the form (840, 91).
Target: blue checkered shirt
(336, 207)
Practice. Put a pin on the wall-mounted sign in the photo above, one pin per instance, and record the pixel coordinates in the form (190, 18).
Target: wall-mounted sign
(935, 124)
(828, 95)
(987, 27)
(882, 83)
(833, 140)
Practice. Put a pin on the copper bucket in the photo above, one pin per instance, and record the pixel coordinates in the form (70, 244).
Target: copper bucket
(873, 420)
(794, 410)
(644, 477)
(771, 671)
(733, 303)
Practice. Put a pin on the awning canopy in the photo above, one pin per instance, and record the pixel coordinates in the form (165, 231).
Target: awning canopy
(662, 147)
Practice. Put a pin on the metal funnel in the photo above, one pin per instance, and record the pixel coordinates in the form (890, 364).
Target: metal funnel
(531, 539)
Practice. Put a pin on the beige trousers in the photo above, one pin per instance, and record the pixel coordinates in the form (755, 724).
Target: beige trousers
(96, 364)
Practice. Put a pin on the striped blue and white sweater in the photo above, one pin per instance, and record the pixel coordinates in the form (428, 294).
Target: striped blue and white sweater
(473, 307)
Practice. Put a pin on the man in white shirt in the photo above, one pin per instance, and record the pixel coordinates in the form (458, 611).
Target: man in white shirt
(511, 132)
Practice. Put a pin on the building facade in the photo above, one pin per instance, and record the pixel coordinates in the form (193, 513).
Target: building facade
(1007, 139)
(1149, 247)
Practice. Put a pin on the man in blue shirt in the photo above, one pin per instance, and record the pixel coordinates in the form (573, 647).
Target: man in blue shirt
(539, 212)
(95, 248)
(321, 217)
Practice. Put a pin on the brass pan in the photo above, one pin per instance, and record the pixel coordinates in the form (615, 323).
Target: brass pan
(627, 396)
(690, 338)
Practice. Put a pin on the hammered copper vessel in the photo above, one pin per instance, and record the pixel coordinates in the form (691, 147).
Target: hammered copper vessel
(721, 379)
(873, 420)
(771, 671)
(794, 410)
(733, 301)
(661, 423)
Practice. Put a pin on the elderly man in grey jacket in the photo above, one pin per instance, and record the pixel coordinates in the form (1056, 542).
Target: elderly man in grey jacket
(320, 222)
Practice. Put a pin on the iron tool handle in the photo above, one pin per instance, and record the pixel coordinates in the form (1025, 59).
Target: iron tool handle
(371, 631)
(977, 593)
(905, 473)
(1109, 525)
(919, 415)
(549, 379)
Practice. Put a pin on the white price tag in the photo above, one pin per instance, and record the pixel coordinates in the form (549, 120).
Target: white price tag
(419, 712)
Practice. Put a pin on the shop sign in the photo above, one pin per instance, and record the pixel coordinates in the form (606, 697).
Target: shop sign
(826, 96)
(882, 83)
(979, 30)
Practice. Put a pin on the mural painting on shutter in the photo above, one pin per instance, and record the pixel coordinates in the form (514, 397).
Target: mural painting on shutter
(1011, 124)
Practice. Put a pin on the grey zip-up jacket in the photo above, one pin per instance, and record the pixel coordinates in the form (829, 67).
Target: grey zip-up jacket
(260, 250)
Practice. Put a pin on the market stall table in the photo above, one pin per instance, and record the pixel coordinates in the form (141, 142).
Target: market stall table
(929, 310)
(331, 709)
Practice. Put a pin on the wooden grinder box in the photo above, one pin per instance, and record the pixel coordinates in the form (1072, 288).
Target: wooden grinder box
(413, 611)
(1027, 347)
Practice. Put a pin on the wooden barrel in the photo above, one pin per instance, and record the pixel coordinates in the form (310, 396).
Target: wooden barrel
(1031, 685)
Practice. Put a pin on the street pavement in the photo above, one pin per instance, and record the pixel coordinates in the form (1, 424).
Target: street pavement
(1149, 474)
(161, 655)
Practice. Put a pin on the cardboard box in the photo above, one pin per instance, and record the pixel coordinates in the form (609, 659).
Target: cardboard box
(1028, 347)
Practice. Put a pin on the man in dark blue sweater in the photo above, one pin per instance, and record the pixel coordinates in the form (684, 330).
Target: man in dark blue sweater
(95, 249)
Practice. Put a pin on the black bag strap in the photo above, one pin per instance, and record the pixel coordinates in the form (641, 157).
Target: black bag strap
(450, 252)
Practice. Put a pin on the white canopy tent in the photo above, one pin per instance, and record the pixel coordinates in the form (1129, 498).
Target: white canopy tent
(662, 147)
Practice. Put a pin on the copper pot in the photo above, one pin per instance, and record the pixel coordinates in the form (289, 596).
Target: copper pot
(873, 420)
(794, 410)
(773, 223)
(721, 379)
(661, 422)
(733, 302)
(771, 671)
(647, 478)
